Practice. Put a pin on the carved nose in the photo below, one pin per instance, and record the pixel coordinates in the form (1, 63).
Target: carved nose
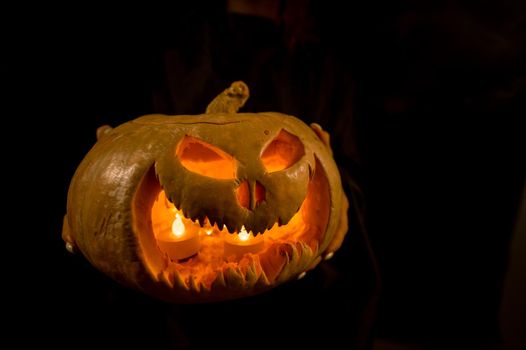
(250, 194)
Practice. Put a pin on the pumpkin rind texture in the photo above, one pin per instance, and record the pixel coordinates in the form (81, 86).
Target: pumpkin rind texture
(267, 173)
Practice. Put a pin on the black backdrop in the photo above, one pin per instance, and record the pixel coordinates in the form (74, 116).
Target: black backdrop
(424, 103)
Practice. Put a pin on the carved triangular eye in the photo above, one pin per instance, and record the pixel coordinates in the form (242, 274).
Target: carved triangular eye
(205, 159)
(282, 152)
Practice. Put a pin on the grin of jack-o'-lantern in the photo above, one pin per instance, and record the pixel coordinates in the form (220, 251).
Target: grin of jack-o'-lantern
(207, 207)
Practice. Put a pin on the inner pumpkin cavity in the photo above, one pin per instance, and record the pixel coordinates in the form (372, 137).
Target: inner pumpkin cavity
(282, 250)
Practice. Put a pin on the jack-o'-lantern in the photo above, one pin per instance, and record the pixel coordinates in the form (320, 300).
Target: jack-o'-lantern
(207, 207)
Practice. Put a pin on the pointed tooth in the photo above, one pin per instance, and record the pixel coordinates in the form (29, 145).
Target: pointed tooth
(284, 219)
(302, 259)
(179, 281)
(262, 280)
(245, 226)
(306, 257)
(248, 227)
(229, 230)
(232, 225)
(198, 218)
(251, 276)
(175, 202)
(294, 255)
(219, 282)
(257, 227)
(193, 284)
(216, 220)
(234, 278)
(203, 287)
(167, 277)
(289, 267)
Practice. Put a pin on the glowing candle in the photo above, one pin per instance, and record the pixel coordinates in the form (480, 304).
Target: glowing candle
(180, 242)
(241, 243)
(209, 231)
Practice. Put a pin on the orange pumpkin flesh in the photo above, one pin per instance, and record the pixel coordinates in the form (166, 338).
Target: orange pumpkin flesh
(284, 188)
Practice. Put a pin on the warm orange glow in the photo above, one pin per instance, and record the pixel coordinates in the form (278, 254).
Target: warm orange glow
(243, 234)
(250, 195)
(178, 228)
(243, 195)
(260, 193)
(176, 236)
(166, 218)
(242, 243)
(282, 152)
(217, 249)
(205, 159)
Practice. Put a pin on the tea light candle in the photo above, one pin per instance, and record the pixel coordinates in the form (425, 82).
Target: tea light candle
(241, 243)
(180, 242)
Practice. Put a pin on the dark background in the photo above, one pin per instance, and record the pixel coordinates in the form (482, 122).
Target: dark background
(424, 102)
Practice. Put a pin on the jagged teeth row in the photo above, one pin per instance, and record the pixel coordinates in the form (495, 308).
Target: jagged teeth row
(204, 221)
(228, 276)
(297, 258)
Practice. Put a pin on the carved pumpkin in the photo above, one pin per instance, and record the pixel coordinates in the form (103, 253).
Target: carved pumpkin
(258, 196)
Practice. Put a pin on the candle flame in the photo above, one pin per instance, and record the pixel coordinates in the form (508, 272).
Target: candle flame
(178, 226)
(243, 234)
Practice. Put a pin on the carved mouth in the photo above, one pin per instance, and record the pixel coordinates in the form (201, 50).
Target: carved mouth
(235, 262)
(216, 226)
(170, 223)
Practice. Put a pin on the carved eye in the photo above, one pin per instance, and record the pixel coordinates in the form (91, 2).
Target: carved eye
(204, 159)
(282, 152)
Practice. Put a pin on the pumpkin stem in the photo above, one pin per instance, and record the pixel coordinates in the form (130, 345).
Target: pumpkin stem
(230, 100)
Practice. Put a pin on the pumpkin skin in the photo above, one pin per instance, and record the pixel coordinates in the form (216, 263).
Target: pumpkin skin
(266, 172)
